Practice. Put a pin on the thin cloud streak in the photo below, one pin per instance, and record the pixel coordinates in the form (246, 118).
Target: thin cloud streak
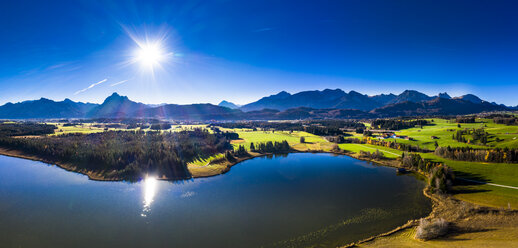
(262, 30)
(91, 86)
(120, 82)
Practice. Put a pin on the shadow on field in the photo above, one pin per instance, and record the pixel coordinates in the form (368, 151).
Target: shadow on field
(466, 178)
(456, 231)
(457, 190)
(464, 181)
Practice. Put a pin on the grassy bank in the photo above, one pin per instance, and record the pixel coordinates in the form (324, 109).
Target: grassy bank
(470, 225)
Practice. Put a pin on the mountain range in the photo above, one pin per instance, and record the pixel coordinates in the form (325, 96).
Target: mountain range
(327, 103)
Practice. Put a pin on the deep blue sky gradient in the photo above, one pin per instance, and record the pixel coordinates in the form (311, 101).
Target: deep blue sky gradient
(243, 50)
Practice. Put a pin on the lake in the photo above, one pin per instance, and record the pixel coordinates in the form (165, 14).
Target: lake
(298, 200)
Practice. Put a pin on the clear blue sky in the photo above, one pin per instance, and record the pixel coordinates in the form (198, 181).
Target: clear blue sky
(243, 50)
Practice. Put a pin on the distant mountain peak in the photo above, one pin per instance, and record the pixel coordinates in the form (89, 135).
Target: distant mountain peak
(411, 96)
(352, 92)
(444, 95)
(383, 99)
(331, 90)
(115, 97)
(470, 98)
(228, 104)
(411, 92)
(283, 94)
(116, 106)
(45, 108)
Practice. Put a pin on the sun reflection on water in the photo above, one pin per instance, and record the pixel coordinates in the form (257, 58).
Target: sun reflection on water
(150, 185)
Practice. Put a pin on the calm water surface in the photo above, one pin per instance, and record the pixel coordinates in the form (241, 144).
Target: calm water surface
(299, 200)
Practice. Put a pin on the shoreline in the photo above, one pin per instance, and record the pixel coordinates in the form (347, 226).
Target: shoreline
(68, 167)
(409, 224)
(438, 202)
(203, 171)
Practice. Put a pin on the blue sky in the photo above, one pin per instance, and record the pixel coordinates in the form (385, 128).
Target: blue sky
(243, 50)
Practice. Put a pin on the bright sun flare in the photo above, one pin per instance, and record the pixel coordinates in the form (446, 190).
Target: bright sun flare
(150, 54)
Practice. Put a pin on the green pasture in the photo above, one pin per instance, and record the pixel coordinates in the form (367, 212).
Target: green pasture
(444, 129)
(356, 148)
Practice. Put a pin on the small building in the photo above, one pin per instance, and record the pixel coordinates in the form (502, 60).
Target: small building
(387, 135)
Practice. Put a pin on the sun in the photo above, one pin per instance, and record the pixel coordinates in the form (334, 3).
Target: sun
(150, 54)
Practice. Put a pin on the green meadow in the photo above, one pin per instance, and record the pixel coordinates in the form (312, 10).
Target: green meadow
(312, 142)
(444, 130)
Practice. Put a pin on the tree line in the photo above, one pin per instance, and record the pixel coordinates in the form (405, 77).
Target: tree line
(395, 124)
(465, 119)
(321, 125)
(494, 155)
(262, 147)
(386, 143)
(506, 120)
(20, 129)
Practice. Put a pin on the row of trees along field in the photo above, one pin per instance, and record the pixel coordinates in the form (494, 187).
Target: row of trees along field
(21, 129)
(395, 124)
(465, 119)
(506, 120)
(125, 154)
(261, 147)
(322, 127)
(386, 143)
(495, 155)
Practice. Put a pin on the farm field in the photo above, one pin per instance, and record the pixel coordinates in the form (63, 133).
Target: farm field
(444, 129)
(312, 142)
(81, 128)
(356, 148)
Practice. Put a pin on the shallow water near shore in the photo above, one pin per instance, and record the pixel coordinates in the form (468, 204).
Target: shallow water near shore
(297, 200)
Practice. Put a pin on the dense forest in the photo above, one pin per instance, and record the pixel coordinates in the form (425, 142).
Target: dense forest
(125, 154)
(20, 129)
(394, 124)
